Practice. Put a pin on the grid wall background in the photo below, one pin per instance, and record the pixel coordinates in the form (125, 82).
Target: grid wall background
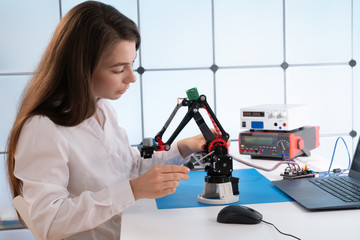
(237, 53)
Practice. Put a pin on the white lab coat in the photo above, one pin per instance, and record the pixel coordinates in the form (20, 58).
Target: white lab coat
(76, 179)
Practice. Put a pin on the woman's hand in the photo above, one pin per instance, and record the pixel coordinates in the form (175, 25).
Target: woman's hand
(159, 181)
(194, 144)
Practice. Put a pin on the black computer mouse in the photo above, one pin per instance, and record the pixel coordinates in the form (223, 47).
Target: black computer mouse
(239, 214)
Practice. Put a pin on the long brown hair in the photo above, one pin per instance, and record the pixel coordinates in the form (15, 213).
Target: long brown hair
(61, 87)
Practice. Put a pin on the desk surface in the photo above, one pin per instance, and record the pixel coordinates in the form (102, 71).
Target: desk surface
(144, 221)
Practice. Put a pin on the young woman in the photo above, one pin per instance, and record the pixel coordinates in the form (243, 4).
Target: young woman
(66, 154)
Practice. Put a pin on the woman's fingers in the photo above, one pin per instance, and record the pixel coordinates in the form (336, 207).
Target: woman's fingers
(170, 184)
(159, 181)
(173, 173)
(174, 177)
(172, 169)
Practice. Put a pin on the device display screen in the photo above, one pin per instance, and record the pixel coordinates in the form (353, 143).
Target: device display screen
(253, 114)
(263, 140)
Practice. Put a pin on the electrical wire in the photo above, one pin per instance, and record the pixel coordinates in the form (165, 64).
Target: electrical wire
(332, 158)
(287, 234)
(294, 166)
(198, 160)
(286, 161)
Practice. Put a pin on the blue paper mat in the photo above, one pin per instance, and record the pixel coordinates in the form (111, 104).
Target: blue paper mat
(253, 188)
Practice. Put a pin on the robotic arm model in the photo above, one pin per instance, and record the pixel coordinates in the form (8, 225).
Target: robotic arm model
(220, 186)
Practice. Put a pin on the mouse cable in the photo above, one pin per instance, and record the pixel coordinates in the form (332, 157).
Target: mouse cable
(292, 162)
(332, 158)
(335, 171)
(280, 231)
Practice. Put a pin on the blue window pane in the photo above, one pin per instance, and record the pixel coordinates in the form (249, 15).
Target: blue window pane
(176, 33)
(238, 88)
(26, 28)
(161, 90)
(11, 88)
(318, 31)
(128, 109)
(328, 92)
(126, 7)
(248, 32)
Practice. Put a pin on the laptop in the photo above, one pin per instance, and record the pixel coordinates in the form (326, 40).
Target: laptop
(324, 193)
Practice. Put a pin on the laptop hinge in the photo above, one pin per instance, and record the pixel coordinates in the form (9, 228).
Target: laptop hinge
(354, 174)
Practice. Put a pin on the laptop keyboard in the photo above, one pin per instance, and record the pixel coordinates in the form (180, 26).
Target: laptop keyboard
(343, 188)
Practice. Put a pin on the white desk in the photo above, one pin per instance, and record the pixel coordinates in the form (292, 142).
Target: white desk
(145, 221)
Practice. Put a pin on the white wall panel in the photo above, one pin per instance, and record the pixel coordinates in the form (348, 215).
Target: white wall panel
(11, 88)
(5, 199)
(318, 31)
(238, 88)
(356, 30)
(176, 33)
(328, 92)
(326, 149)
(128, 109)
(160, 92)
(21, 234)
(248, 32)
(26, 28)
(356, 100)
(126, 7)
(356, 69)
